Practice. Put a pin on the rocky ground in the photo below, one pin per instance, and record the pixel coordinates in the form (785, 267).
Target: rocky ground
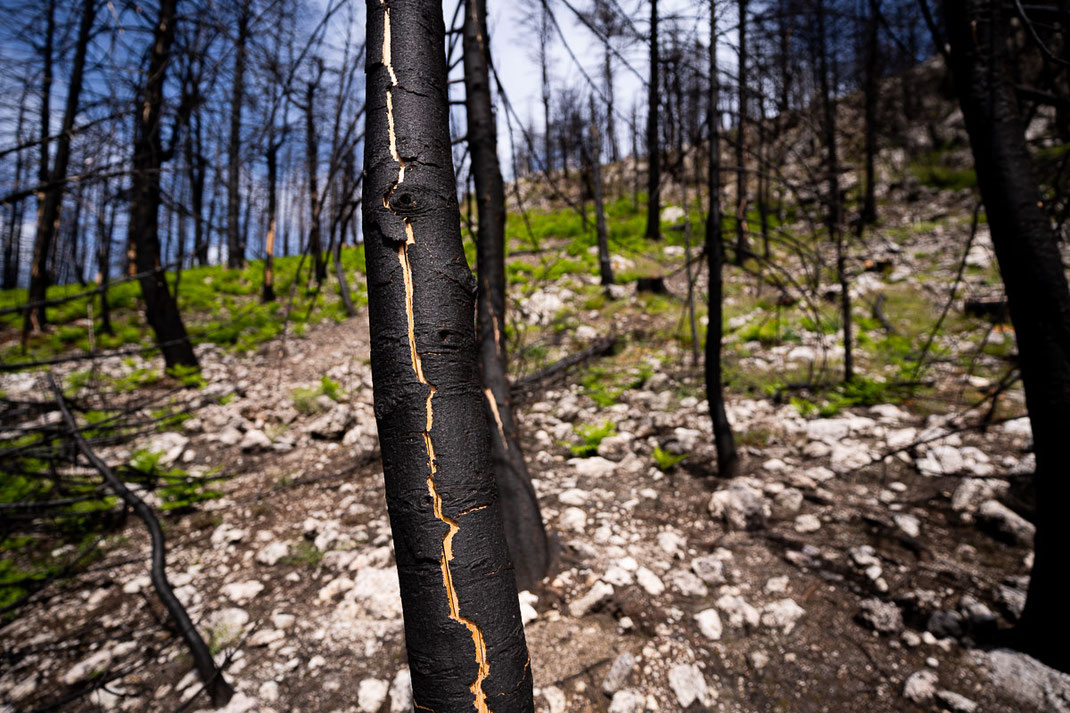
(867, 559)
(829, 577)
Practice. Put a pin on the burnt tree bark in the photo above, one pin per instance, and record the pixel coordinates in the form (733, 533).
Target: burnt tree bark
(105, 232)
(871, 92)
(742, 244)
(463, 631)
(727, 458)
(49, 213)
(161, 308)
(235, 243)
(13, 234)
(605, 267)
(653, 210)
(267, 293)
(1039, 300)
(832, 213)
(219, 690)
(520, 507)
(315, 240)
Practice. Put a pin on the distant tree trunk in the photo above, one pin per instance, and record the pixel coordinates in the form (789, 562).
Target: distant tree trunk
(49, 213)
(544, 68)
(1037, 293)
(611, 125)
(14, 228)
(635, 156)
(762, 178)
(653, 212)
(312, 157)
(235, 244)
(74, 235)
(197, 172)
(784, 33)
(346, 209)
(105, 232)
(463, 632)
(871, 92)
(46, 98)
(687, 262)
(268, 291)
(742, 245)
(161, 309)
(520, 507)
(832, 223)
(727, 458)
(605, 267)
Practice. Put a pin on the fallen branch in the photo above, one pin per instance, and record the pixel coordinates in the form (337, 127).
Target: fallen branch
(214, 681)
(530, 382)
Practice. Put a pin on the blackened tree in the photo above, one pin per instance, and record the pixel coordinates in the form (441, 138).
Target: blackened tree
(520, 507)
(727, 458)
(1037, 293)
(463, 631)
(161, 308)
(49, 212)
(653, 213)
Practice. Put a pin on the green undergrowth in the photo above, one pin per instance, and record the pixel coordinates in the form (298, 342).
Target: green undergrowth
(304, 398)
(218, 306)
(942, 168)
(591, 436)
(37, 485)
(666, 461)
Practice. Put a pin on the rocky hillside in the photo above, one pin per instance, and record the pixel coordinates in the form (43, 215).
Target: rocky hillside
(870, 557)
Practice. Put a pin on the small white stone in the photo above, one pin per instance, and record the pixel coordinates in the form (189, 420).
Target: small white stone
(401, 692)
(371, 694)
(649, 582)
(709, 623)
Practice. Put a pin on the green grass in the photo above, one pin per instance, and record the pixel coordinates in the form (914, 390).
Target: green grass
(303, 554)
(305, 397)
(591, 436)
(666, 461)
(218, 305)
(936, 169)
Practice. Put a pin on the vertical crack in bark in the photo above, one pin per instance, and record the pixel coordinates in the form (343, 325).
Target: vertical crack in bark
(497, 416)
(482, 661)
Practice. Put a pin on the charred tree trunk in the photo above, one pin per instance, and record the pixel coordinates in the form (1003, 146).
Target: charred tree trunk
(161, 309)
(611, 125)
(45, 128)
(832, 222)
(653, 211)
(14, 228)
(217, 686)
(762, 193)
(268, 292)
(635, 158)
(1034, 277)
(105, 232)
(315, 240)
(605, 267)
(742, 245)
(346, 209)
(235, 243)
(197, 169)
(49, 213)
(544, 69)
(727, 458)
(871, 91)
(520, 507)
(462, 619)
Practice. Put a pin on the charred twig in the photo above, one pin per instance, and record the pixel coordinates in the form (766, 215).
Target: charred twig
(525, 384)
(217, 685)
